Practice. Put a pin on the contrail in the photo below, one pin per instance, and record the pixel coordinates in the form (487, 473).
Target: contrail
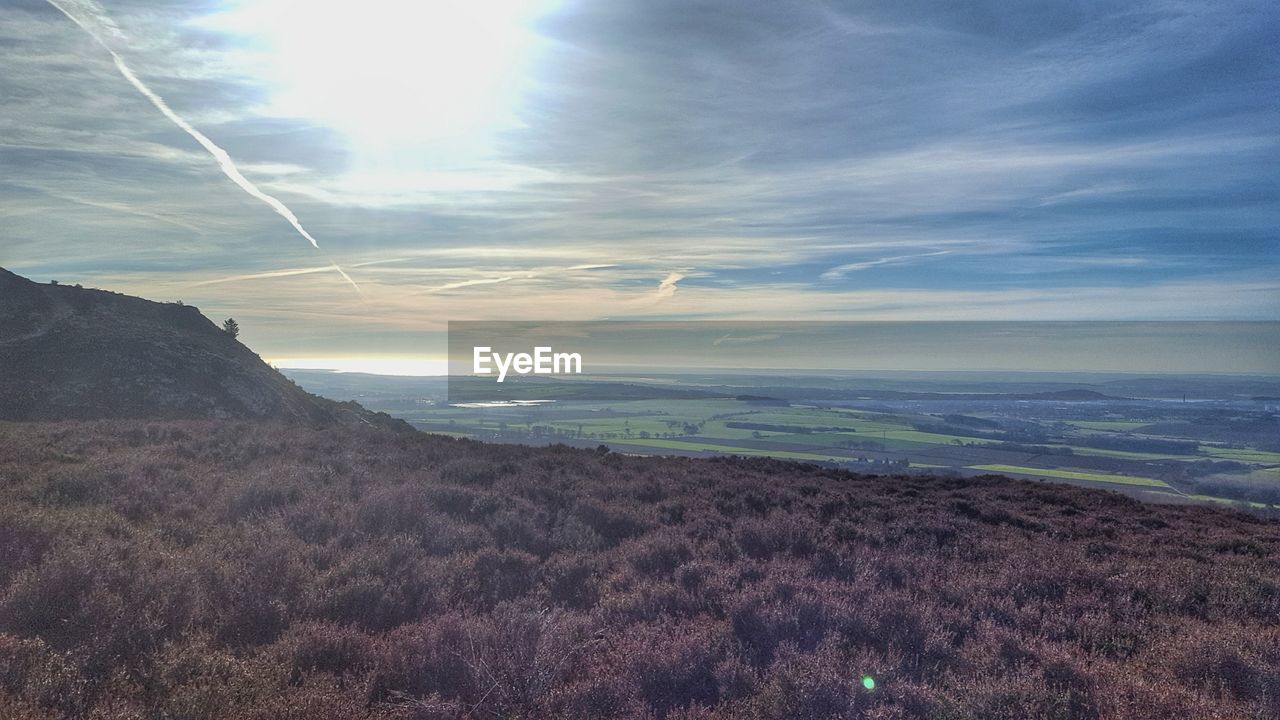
(345, 276)
(114, 206)
(284, 273)
(225, 162)
(269, 274)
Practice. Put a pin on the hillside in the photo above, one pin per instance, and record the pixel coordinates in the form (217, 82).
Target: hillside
(224, 569)
(71, 352)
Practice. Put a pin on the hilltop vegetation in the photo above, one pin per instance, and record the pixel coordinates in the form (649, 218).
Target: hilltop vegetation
(72, 352)
(223, 569)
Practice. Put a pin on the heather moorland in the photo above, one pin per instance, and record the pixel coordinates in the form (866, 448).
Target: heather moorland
(228, 569)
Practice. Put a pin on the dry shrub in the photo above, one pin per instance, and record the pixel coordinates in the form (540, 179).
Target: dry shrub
(226, 571)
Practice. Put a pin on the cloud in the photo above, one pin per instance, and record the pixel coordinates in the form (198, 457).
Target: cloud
(840, 271)
(119, 207)
(264, 275)
(745, 339)
(471, 283)
(667, 287)
(957, 160)
(86, 14)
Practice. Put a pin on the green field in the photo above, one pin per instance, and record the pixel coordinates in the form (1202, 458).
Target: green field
(860, 439)
(1226, 501)
(1072, 475)
(1127, 454)
(727, 449)
(1250, 456)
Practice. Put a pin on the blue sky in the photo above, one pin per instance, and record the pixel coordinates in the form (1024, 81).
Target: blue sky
(647, 159)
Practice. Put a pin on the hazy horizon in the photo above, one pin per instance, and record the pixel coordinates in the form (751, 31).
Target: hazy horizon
(362, 366)
(1127, 348)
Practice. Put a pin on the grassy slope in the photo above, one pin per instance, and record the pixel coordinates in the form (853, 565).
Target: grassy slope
(233, 570)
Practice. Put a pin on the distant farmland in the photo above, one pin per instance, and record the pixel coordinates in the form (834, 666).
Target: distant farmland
(1019, 438)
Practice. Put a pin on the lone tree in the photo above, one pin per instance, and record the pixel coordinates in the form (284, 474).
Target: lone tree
(231, 327)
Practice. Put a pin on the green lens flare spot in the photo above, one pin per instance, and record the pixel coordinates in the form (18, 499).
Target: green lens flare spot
(868, 682)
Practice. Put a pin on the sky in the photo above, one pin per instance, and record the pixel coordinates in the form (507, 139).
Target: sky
(642, 159)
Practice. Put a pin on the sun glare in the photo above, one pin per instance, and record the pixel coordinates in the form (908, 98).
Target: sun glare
(392, 74)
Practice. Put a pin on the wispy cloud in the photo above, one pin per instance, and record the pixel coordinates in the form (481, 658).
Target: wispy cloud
(810, 160)
(667, 287)
(138, 210)
(85, 12)
(840, 271)
(471, 283)
(730, 339)
(265, 275)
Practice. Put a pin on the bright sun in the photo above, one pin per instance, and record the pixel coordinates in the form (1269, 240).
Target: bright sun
(391, 74)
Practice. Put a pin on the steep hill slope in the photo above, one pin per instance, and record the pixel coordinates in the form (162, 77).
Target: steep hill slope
(70, 352)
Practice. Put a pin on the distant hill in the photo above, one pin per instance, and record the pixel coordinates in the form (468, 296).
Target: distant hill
(77, 353)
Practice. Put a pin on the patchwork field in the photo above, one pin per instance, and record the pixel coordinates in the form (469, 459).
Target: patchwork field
(1024, 438)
